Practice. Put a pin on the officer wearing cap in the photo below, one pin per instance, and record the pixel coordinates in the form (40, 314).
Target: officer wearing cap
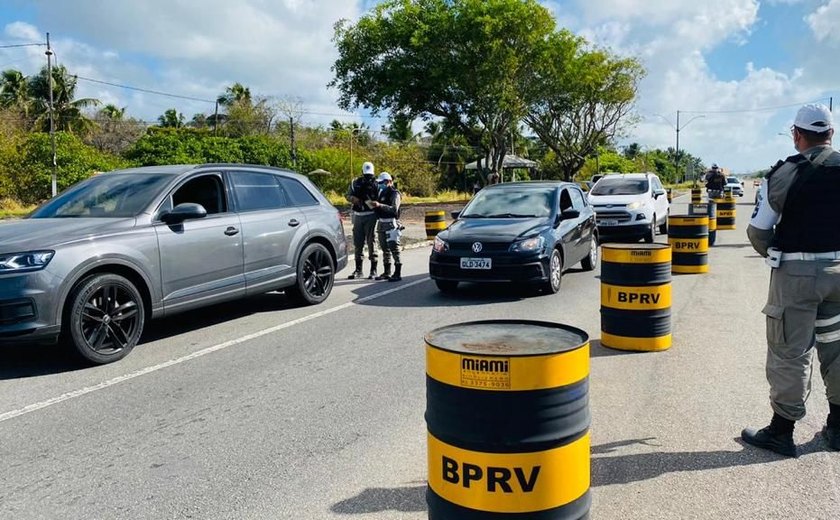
(795, 228)
(362, 194)
(387, 208)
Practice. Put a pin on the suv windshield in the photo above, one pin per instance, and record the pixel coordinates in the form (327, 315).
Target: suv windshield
(510, 203)
(105, 196)
(732, 180)
(620, 186)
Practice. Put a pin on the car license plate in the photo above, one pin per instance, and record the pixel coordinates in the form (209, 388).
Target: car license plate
(476, 263)
(608, 222)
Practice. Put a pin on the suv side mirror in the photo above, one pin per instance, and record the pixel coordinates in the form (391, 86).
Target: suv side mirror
(658, 193)
(569, 213)
(182, 212)
(455, 215)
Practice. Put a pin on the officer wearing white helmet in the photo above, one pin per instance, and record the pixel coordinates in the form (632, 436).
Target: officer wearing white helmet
(387, 208)
(362, 195)
(794, 227)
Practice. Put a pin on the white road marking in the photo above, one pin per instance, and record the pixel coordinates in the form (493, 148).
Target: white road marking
(221, 346)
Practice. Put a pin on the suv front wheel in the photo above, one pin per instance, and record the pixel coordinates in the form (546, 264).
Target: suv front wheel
(650, 236)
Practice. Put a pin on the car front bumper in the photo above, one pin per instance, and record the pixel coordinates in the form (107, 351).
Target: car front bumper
(507, 268)
(635, 230)
(28, 307)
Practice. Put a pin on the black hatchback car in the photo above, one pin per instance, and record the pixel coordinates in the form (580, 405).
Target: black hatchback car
(525, 232)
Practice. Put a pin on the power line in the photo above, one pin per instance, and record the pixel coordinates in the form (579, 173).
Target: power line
(145, 90)
(18, 45)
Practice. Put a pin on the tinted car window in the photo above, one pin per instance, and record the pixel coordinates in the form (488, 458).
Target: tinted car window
(256, 191)
(206, 190)
(620, 186)
(510, 203)
(105, 196)
(298, 194)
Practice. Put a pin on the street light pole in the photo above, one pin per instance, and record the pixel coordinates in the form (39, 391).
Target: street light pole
(49, 54)
(677, 154)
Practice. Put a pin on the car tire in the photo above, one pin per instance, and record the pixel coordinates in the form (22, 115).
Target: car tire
(315, 275)
(104, 318)
(555, 273)
(591, 261)
(446, 286)
(650, 236)
(663, 228)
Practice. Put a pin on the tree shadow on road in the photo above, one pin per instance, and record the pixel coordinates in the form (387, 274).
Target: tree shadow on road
(377, 500)
(624, 469)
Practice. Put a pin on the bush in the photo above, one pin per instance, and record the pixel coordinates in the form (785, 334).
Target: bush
(28, 173)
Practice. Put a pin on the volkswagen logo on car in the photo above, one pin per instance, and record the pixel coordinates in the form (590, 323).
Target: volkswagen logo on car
(476, 247)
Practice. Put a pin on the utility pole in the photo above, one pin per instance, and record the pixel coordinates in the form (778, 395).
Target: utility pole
(677, 154)
(49, 54)
(216, 120)
(292, 133)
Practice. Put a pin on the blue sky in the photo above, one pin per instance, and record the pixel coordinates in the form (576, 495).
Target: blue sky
(732, 61)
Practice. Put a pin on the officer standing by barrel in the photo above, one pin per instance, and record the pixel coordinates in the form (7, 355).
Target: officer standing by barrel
(794, 228)
(387, 208)
(362, 195)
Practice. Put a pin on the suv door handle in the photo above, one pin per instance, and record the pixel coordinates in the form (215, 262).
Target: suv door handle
(294, 222)
(231, 231)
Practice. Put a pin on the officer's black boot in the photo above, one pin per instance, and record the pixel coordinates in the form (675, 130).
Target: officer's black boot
(372, 274)
(397, 270)
(831, 432)
(777, 437)
(357, 273)
(386, 274)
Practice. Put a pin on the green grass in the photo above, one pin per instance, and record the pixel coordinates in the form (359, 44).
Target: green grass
(10, 208)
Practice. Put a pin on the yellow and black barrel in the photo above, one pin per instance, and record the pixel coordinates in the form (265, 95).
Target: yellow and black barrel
(725, 213)
(435, 223)
(709, 209)
(688, 236)
(696, 195)
(507, 411)
(636, 296)
(670, 195)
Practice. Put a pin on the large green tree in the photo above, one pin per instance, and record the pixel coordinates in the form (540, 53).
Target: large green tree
(14, 92)
(463, 61)
(579, 99)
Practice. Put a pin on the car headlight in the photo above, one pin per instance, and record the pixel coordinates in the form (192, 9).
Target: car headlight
(440, 245)
(634, 205)
(528, 245)
(22, 262)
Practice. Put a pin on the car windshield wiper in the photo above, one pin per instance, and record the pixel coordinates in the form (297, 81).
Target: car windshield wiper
(510, 215)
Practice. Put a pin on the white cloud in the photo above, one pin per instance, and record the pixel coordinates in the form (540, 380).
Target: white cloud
(825, 22)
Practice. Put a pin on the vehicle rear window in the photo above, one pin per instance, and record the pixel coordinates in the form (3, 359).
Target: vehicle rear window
(257, 191)
(620, 186)
(298, 193)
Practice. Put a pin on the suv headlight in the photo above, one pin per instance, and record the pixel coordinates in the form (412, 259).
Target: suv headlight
(440, 245)
(27, 261)
(634, 205)
(528, 245)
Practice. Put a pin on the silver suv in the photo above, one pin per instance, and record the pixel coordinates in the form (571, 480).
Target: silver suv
(96, 262)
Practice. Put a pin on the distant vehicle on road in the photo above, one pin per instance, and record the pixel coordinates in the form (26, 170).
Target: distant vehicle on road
(735, 185)
(95, 263)
(630, 206)
(525, 232)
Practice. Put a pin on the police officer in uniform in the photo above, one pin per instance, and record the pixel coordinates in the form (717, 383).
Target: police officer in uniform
(362, 194)
(795, 228)
(715, 181)
(387, 208)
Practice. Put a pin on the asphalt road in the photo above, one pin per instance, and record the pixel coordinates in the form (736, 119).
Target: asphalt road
(266, 411)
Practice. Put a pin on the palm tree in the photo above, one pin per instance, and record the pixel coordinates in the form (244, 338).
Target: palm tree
(67, 111)
(236, 93)
(14, 93)
(171, 119)
(113, 112)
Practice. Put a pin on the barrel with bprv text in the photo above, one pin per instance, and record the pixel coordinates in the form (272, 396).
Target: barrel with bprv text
(507, 412)
(435, 223)
(688, 236)
(726, 213)
(636, 296)
(696, 195)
